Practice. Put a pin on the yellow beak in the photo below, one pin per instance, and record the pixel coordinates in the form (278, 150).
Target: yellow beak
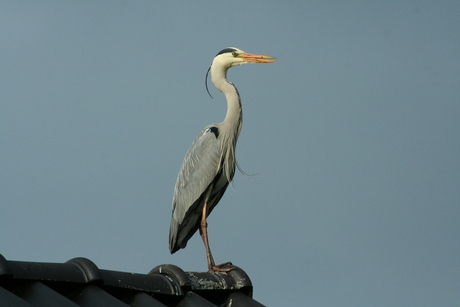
(256, 58)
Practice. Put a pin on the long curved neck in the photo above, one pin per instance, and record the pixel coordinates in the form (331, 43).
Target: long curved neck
(234, 117)
(231, 126)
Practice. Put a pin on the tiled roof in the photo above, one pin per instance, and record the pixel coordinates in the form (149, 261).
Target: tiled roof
(79, 282)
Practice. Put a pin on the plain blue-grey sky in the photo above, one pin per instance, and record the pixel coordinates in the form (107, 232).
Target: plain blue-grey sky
(352, 137)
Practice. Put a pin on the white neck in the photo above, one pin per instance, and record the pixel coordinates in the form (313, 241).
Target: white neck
(231, 126)
(233, 118)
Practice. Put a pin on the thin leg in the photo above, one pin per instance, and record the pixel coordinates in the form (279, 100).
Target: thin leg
(204, 235)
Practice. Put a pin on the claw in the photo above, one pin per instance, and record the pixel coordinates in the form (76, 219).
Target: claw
(220, 267)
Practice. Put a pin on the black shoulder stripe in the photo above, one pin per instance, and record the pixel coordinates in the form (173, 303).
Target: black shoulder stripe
(214, 130)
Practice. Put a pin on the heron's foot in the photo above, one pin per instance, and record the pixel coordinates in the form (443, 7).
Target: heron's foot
(224, 267)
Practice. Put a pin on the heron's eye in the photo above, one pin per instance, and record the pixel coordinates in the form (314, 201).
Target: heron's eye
(235, 54)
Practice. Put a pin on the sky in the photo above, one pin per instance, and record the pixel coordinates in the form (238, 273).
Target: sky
(350, 141)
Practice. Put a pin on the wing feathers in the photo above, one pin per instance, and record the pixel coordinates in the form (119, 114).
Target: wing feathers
(201, 170)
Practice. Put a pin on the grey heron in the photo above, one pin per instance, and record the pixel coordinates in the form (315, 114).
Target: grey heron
(209, 164)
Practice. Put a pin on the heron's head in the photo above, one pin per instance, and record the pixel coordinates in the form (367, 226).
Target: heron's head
(232, 56)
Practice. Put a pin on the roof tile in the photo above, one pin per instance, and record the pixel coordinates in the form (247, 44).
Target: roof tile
(79, 282)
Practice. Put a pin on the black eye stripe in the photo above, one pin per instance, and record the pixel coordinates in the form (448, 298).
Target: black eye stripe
(227, 50)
